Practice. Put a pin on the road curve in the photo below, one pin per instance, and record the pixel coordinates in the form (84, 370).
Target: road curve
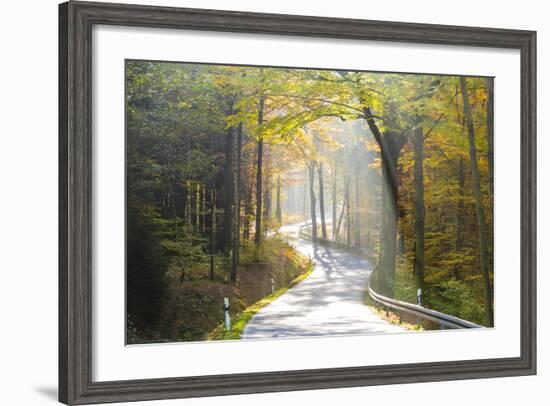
(330, 301)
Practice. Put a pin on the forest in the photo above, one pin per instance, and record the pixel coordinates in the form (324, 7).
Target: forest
(218, 157)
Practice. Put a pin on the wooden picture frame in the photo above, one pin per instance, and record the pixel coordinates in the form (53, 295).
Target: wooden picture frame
(75, 181)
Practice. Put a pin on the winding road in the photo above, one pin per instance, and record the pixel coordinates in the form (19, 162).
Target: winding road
(330, 301)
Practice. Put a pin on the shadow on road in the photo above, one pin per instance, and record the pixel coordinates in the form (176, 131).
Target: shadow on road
(329, 301)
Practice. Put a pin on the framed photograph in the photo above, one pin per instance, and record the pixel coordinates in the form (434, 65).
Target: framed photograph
(259, 202)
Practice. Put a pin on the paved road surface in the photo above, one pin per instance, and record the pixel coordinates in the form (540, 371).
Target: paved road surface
(329, 301)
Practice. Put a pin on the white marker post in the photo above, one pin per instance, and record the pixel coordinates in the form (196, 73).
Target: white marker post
(419, 296)
(226, 313)
(419, 301)
(272, 285)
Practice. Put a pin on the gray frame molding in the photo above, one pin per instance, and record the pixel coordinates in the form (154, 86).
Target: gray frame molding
(75, 249)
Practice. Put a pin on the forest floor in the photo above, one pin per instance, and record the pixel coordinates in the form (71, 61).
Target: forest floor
(330, 301)
(240, 320)
(193, 309)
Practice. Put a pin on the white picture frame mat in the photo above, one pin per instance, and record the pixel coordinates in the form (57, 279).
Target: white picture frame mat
(112, 360)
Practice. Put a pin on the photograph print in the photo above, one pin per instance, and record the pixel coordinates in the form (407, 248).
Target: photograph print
(269, 202)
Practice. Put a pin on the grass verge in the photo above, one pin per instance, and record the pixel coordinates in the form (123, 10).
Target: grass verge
(390, 315)
(240, 320)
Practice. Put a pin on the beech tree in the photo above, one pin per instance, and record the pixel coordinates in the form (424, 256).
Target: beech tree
(476, 184)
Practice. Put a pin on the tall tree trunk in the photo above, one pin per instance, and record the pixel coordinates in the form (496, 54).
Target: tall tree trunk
(248, 213)
(304, 207)
(368, 208)
(198, 208)
(401, 232)
(278, 210)
(334, 202)
(228, 192)
(237, 198)
(184, 207)
(356, 209)
(344, 204)
(248, 176)
(459, 242)
(370, 200)
(388, 234)
(258, 231)
(193, 208)
(490, 161)
(419, 210)
(348, 212)
(212, 230)
(490, 135)
(268, 187)
(312, 200)
(400, 240)
(390, 144)
(203, 209)
(322, 201)
(174, 214)
(267, 202)
(476, 183)
(189, 218)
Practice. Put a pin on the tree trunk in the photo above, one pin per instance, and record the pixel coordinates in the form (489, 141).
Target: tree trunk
(258, 231)
(340, 219)
(356, 209)
(388, 234)
(312, 200)
(476, 183)
(188, 202)
(278, 211)
(368, 214)
(248, 176)
(490, 136)
(390, 144)
(248, 213)
(267, 201)
(184, 207)
(334, 202)
(322, 201)
(198, 208)
(459, 243)
(212, 230)
(370, 201)
(237, 198)
(401, 236)
(490, 162)
(174, 214)
(419, 257)
(228, 193)
(267, 188)
(203, 210)
(348, 213)
(304, 207)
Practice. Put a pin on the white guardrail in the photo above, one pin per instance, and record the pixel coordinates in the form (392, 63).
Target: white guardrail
(444, 320)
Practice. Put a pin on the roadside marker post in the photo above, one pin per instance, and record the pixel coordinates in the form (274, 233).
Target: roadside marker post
(419, 296)
(419, 302)
(226, 313)
(272, 285)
